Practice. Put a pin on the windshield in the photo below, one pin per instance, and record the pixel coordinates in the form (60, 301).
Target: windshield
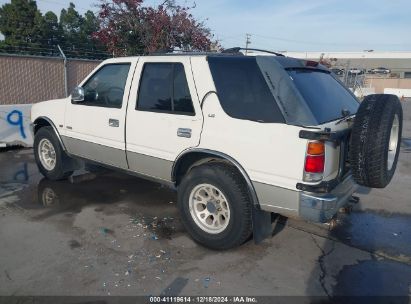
(324, 95)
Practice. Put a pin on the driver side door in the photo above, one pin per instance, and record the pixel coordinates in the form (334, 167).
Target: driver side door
(94, 128)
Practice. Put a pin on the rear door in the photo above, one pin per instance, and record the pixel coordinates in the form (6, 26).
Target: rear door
(164, 116)
(94, 128)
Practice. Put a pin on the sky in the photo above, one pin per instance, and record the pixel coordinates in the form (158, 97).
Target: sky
(294, 25)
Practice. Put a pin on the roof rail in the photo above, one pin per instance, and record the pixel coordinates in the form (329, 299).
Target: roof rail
(162, 51)
(172, 51)
(238, 49)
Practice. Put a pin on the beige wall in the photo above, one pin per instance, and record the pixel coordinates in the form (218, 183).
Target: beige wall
(77, 70)
(33, 79)
(381, 83)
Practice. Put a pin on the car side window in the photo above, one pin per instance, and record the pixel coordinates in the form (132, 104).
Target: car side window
(106, 87)
(164, 88)
(242, 90)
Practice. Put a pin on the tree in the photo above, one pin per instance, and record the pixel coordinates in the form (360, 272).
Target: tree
(50, 32)
(77, 33)
(127, 27)
(89, 26)
(27, 31)
(70, 23)
(20, 23)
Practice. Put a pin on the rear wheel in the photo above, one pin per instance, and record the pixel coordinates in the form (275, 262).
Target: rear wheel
(375, 140)
(215, 206)
(51, 160)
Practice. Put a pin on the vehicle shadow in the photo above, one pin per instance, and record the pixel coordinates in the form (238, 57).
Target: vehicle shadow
(279, 222)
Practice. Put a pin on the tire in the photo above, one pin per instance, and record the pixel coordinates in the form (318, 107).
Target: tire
(237, 225)
(375, 140)
(60, 169)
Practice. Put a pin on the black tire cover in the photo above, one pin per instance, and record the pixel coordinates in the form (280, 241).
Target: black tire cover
(370, 140)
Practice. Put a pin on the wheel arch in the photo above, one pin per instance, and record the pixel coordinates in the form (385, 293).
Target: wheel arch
(195, 157)
(43, 121)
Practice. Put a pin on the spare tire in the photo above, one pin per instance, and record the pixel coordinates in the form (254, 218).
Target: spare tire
(375, 140)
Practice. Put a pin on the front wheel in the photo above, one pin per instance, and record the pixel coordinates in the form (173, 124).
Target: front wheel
(50, 157)
(215, 206)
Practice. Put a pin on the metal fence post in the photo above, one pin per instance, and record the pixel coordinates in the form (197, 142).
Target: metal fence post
(65, 70)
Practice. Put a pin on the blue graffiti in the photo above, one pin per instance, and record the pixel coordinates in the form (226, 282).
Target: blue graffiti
(15, 118)
(22, 175)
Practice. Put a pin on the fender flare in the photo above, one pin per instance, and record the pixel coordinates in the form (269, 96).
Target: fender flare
(261, 220)
(232, 161)
(54, 128)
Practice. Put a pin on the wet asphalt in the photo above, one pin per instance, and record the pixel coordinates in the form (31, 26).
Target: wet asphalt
(105, 233)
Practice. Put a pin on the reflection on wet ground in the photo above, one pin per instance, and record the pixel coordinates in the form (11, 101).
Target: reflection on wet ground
(376, 231)
(406, 143)
(373, 278)
(102, 190)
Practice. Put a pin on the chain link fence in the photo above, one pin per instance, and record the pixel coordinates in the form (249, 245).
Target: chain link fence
(363, 83)
(30, 79)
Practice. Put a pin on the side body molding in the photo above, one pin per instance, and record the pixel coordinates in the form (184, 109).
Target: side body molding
(36, 121)
(220, 155)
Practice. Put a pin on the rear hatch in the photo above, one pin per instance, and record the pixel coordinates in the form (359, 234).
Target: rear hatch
(311, 97)
(333, 106)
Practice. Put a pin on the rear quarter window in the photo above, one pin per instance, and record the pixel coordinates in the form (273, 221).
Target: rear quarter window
(242, 89)
(326, 97)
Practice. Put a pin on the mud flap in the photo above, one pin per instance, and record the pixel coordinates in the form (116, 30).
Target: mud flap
(262, 227)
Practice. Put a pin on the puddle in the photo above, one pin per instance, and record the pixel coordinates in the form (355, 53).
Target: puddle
(376, 278)
(149, 204)
(390, 233)
(146, 203)
(406, 143)
(101, 190)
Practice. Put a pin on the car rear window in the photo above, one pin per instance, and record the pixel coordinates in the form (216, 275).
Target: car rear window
(325, 96)
(242, 89)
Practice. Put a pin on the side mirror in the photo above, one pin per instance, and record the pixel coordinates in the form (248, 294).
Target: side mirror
(77, 95)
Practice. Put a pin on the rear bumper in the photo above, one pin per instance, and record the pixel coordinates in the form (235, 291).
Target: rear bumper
(321, 207)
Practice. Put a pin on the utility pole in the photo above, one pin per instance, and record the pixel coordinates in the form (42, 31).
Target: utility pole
(247, 42)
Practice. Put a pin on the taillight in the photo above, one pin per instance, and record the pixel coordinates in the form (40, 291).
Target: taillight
(314, 164)
(314, 161)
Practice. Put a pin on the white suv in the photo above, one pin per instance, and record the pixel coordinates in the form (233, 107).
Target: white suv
(240, 137)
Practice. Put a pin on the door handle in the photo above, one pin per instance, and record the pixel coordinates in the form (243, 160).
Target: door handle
(113, 122)
(184, 132)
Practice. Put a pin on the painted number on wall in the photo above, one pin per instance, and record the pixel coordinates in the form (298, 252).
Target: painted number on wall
(15, 118)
